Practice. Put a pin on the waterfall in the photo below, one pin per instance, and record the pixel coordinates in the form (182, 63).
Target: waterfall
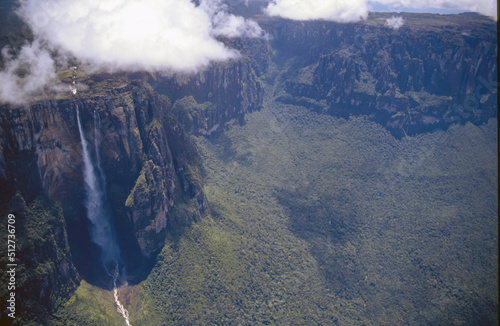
(96, 204)
(98, 211)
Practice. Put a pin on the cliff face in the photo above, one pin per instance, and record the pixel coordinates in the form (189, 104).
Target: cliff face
(149, 163)
(428, 74)
(152, 175)
(38, 150)
(169, 172)
(45, 274)
(223, 92)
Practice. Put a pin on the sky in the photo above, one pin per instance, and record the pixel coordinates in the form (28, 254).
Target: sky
(161, 35)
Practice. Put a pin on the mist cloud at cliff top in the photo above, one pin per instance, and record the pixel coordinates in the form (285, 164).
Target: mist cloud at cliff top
(355, 10)
(129, 35)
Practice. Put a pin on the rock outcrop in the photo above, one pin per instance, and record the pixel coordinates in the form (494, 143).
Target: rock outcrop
(431, 72)
(223, 92)
(45, 276)
(150, 165)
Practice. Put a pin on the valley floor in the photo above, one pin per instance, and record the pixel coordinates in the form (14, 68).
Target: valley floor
(321, 220)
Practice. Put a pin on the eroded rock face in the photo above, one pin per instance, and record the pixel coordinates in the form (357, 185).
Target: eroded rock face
(149, 163)
(223, 92)
(430, 73)
(45, 275)
(153, 180)
(39, 150)
(169, 173)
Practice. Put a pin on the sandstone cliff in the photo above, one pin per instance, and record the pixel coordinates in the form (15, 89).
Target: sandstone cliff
(45, 276)
(149, 163)
(431, 72)
(223, 92)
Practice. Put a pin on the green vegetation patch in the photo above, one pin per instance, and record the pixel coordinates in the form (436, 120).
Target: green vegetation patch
(192, 114)
(320, 220)
(145, 184)
(89, 305)
(45, 277)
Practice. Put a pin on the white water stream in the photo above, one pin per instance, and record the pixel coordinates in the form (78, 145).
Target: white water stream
(119, 306)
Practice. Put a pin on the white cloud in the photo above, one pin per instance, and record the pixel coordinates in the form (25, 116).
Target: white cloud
(337, 10)
(233, 26)
(355, 10)
(26, 75)
(170, 35)
(165, 35)
(225, 24)
(128, 34)
(395, 22)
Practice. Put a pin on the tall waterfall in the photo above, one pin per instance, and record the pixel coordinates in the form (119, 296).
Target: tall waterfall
(96, 204)
(98, 211)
